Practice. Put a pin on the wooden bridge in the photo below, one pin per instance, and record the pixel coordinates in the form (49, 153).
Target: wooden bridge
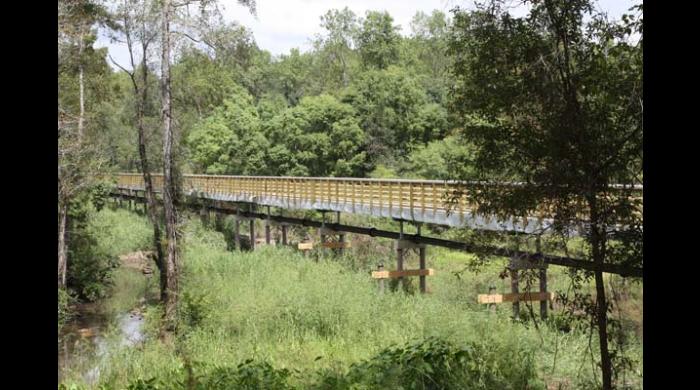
(412, 201)
(429, 201)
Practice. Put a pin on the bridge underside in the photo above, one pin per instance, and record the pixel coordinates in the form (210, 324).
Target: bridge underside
(415, 214)
(233, 206)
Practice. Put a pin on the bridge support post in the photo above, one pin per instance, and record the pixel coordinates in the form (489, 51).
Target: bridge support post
(399, 253)
(517, 264)
(543, 288)
(543, 280)
(341, 236)
(514, 288)
(421, 259)
(237, 229)
(401, 246)
(492, 306)
(323, 227)
(252, 234)
(204, 214)
(267, 227)
(284, 234)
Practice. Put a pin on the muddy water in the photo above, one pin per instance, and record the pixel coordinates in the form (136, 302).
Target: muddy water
(85, 342)
(84, 345)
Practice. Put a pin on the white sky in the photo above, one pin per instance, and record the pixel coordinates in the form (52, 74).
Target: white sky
(285, 24)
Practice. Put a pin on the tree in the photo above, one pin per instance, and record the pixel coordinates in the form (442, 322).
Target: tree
(378, 40)
(139, 27)
(335, 48)
(429, 44)
(291, 75)
(389, 104)
(170, 182)
(556, 104)
(77, 160)
(439, 160)
(318, 137)
(230, 140)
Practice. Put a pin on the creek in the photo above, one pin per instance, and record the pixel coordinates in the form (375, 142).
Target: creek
(85, 343)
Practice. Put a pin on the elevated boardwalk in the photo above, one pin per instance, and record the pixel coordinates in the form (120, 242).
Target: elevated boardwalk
(405, 200)
(429, 201)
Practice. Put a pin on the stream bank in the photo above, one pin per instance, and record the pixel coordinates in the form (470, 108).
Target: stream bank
(97, 328)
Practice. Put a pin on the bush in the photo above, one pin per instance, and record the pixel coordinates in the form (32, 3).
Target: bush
(194, 308)
(437, 364)
(64, 302)
(249, 375)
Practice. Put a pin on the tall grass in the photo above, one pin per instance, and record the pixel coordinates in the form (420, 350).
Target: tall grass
(322, 323)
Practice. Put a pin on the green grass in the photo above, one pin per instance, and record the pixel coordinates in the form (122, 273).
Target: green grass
(317, 318)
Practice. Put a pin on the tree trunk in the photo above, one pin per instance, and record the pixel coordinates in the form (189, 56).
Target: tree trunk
(150, 194)
(141, 100)
(598, 251)
(172, 260)
(81, 71)
(62, 245)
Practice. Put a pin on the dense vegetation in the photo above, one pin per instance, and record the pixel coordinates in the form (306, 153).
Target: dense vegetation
(552, 100)
(276, 319)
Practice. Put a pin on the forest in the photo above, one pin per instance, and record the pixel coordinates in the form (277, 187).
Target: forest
(552, 100)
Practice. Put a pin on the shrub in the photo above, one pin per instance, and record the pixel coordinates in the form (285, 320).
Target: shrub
(194, 308)
(438, 364)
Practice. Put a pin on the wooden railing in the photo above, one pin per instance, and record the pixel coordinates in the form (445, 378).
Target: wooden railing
(414, 197)
(393, 193)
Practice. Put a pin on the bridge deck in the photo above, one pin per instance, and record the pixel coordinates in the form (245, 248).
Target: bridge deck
(410, 200)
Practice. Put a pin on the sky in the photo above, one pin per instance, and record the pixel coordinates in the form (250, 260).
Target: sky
(285, 24)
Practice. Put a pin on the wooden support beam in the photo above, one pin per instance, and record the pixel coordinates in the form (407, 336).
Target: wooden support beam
(400, 274)
(284, 234)
(305, 246)
(520, 297)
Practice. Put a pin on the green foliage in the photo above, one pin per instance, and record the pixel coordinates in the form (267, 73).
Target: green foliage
(391, 108)
(378, 40)
(249, 375)
(229, 141)
(382, 171)
(439, 160)
(227, 91)
(89, 271)
(96, 241)
(193, 308)
(65, 300)
(434, 363)
(319, 137)
(316, 319)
